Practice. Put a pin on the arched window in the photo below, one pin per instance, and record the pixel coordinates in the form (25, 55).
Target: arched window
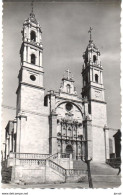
(32, 59)
(94, 58)
(33, 36)
(96, 78)
(68, 88)
(86, 80)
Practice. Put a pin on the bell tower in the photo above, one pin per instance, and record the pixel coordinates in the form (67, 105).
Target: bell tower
(93, 90)
(93, 87)
(31, 113)
(31, 71)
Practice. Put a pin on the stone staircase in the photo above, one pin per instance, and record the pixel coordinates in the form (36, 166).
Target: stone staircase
(6, 172)
(71, 175)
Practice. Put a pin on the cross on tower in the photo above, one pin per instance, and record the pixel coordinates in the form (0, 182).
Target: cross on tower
(32, 5)
(68, 74)
(90, 30)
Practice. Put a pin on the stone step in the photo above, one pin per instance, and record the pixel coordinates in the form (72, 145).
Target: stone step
(102, 169)
(78, 164)
(108, 178)
(6, 174)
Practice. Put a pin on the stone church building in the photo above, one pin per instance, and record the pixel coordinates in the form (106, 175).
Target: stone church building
(55, 130)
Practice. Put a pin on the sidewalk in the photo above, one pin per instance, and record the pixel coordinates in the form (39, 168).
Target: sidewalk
(83, 185)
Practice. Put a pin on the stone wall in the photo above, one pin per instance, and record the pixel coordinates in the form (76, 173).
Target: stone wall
(99, 120)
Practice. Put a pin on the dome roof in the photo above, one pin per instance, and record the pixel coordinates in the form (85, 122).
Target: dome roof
(32, 18)
(92, 45)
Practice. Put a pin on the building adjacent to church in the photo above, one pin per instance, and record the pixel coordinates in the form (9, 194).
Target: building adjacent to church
(59, 124)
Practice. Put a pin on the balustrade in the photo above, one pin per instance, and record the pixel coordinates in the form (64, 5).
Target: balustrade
(57, 167)
(31, 156)
(32, 162)
(65, 155)
(70, 172)
(53, 157)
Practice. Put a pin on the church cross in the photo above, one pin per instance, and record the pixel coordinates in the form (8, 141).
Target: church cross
(68, 74)
(90, 30)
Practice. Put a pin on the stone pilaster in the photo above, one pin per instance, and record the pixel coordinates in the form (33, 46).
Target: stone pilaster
(106, 137)
(21, 119)
(53, 132)
(87, 131)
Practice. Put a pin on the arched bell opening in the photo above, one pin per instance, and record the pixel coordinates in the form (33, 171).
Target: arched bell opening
(94, 58)
(96, 78)
(33, 36)
(33, 58)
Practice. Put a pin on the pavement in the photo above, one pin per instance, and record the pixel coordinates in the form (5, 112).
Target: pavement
(83, 185)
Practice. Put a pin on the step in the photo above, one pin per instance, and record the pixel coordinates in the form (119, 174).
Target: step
(108, 178)
(79, 164)
(102, 169)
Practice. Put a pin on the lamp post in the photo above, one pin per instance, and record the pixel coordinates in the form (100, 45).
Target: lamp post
(87, 161)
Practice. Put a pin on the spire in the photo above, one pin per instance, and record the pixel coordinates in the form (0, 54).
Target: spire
(90, 31)
(32, 6)
(32, 15)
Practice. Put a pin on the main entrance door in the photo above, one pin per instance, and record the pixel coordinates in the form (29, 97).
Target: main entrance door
(69, 149)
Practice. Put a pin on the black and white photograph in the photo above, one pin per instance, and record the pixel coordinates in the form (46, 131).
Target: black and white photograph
(61, 94)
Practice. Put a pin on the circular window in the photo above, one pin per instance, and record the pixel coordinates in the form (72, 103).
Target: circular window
(32, 77)
(69, 106)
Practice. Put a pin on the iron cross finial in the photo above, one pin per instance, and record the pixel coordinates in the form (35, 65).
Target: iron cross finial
(68, 73)
(32, 5)
(90, 30)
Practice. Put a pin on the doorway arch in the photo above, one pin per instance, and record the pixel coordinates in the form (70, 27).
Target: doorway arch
(69, 149)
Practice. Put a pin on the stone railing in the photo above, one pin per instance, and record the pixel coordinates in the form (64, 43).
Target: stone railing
(64, 155)
(33, 162)
(70, 172)
(31, 156)
(57, 167)
(53, 157)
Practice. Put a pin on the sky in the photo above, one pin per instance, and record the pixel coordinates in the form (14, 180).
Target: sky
(65, 37)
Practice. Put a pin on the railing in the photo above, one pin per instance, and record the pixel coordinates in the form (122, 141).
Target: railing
(57, 167)
(53, 157)
(31, 156)
(70, 172)
(32, 162)
(80, 157)
(114, 162)
(65, 155)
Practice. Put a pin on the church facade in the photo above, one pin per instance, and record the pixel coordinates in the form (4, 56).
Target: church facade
(59, 123)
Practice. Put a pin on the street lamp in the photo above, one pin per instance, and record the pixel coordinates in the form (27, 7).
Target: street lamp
(87, 161)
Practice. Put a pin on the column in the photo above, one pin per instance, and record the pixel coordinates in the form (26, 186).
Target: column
(10, 138)
(24, 53)
(40, 59)
(53, 132)
(74, 150)
(106, 136)
(21, 123)
(91, 74)
(101, 77)
(7, 147)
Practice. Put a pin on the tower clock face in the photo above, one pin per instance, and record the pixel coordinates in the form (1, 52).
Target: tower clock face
(69, 106)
